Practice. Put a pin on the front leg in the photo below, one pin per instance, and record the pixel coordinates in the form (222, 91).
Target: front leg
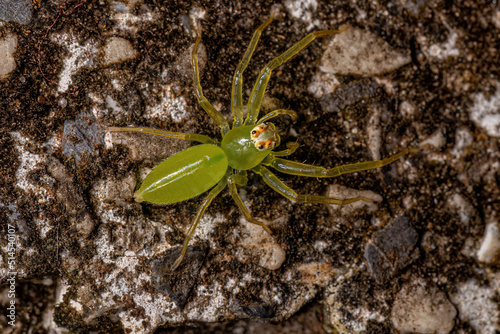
(202, 100)
(257, 94)
(237, 90)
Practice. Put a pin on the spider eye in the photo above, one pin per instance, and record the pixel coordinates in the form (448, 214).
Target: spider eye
(264, 136)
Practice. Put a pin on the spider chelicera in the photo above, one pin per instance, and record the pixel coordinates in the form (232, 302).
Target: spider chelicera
(247, 146)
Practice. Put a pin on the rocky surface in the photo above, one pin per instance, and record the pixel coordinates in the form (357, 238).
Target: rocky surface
(78, 254)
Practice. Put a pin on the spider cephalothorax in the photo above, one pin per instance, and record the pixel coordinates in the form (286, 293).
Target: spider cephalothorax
(247, 146)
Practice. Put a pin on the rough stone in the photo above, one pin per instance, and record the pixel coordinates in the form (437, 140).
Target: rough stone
(476, 304)
(341, 192)
(8, 46)
(490, 247)
(422, 308)
(118, 50)
(485, 112)
(360, 52)
(391, 249)
(257, 245)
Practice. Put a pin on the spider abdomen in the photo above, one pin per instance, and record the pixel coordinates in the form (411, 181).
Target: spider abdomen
(184, 175)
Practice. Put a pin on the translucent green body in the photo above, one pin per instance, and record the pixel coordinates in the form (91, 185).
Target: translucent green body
(249, 145)
(184, 175)
(240, 149)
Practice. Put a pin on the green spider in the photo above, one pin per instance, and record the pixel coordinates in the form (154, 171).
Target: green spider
(247, 146)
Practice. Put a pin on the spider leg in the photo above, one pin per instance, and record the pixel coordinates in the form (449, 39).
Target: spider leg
(241, 180)
(176, 135)
(271, 180)
(297, 168)
(202, 100)
(204, 205)
(291, 147)
(237, 90)
(255, 99)
(276, 113)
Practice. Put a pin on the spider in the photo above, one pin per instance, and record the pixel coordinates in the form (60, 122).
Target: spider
(247, 146)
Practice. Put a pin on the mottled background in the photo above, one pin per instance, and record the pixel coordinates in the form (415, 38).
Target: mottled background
(424, 258)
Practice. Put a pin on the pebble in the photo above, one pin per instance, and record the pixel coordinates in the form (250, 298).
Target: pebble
(8, 46)
(421, 308)
(391, 249)
(323, 84)
(341, 192)
(360, 52)
(257, 244)
(484, 112)
(442, 51)
(436, 140)
(117, 50)
(476, 304)
(490, 247)
(460, 205)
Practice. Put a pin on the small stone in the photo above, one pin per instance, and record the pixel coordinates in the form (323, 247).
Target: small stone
(374, 131)
(490, 247)
(463, 142)
(341, 192)
(391, 249)
(436, 140)
(323, 84)
(62, 102)
(485, 112)
(15, 10)
(460, 205)
(441, 51)
(361, 52)
(407, 109)
(8, 46)
(476, 304)
(419, 308)
(117, 50)
(258, 245)
(496, 18)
